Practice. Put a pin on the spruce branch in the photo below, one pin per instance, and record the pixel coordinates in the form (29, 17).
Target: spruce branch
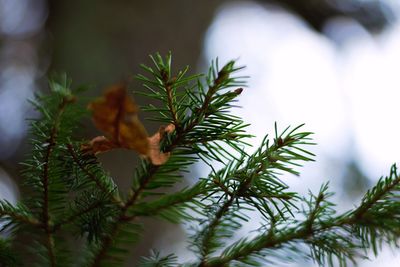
(203, 113)
(155, 259)
(13, 215)
(167, 88)
(343, 237)
(44, 171)
(241, 181)
(208, 241)
(72, 217)
(379, 194)
(51, 143)
(173, 207)
(153, 176)
(84, 162)
(107, 241)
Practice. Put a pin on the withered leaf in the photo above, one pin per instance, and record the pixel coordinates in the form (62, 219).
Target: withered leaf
(98, 145)
(115, 113)
(156, 156)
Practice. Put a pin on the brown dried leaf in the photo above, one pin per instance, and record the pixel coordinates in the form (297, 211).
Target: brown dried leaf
(115, 113)
(98, 145)
(155, 155)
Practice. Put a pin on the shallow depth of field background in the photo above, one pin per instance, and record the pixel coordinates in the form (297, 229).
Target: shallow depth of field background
(332, 64)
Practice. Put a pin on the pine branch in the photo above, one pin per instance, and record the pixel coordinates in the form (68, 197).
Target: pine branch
(165, 87)
(72, 218)
(343, 230)
(122, 217)
(149, 171)
(107, 241)
(44, 171)
(155, 260)
(172, 207)
(15, 215)
(240, 250)
(106, 187)
(202, 114)
(208, 243)
(378, 193)
(316, 206)
(45, 180)
(241, 181)
(169, 87)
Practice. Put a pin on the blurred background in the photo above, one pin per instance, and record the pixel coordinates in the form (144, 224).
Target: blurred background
(332, 64)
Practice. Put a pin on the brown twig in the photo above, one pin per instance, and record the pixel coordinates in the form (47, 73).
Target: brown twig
(45, 213)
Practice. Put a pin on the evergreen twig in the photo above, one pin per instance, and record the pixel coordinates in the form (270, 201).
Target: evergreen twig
(51, 143)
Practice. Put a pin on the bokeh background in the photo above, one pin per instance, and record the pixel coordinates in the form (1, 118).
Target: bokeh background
(332, 64)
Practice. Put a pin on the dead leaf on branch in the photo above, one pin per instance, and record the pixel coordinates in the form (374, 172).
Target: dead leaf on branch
(157, 157)
(116, 114)
(97, 145)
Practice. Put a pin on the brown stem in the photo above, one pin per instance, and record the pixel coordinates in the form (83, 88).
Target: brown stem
(170, 104)
(45, 213)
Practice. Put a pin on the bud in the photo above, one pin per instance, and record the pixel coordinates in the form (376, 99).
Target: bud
(223, 74)
(238, 91)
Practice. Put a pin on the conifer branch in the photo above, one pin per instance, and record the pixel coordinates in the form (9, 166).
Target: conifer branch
(311, 230)
(156, 260)
(169, 87)
(204, 111)
(183, 198)
(220, 80)
(99, 183)
(71, 218)
(210, 229)
(151, 170)
(315, 209)
(378, 193)
(51, 143)
(107, 241)
(18, 214)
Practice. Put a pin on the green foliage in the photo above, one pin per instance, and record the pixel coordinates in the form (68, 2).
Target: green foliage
(68, 193)
(7, 256)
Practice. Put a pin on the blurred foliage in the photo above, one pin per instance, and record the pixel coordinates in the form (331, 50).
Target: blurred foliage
(374, 15)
